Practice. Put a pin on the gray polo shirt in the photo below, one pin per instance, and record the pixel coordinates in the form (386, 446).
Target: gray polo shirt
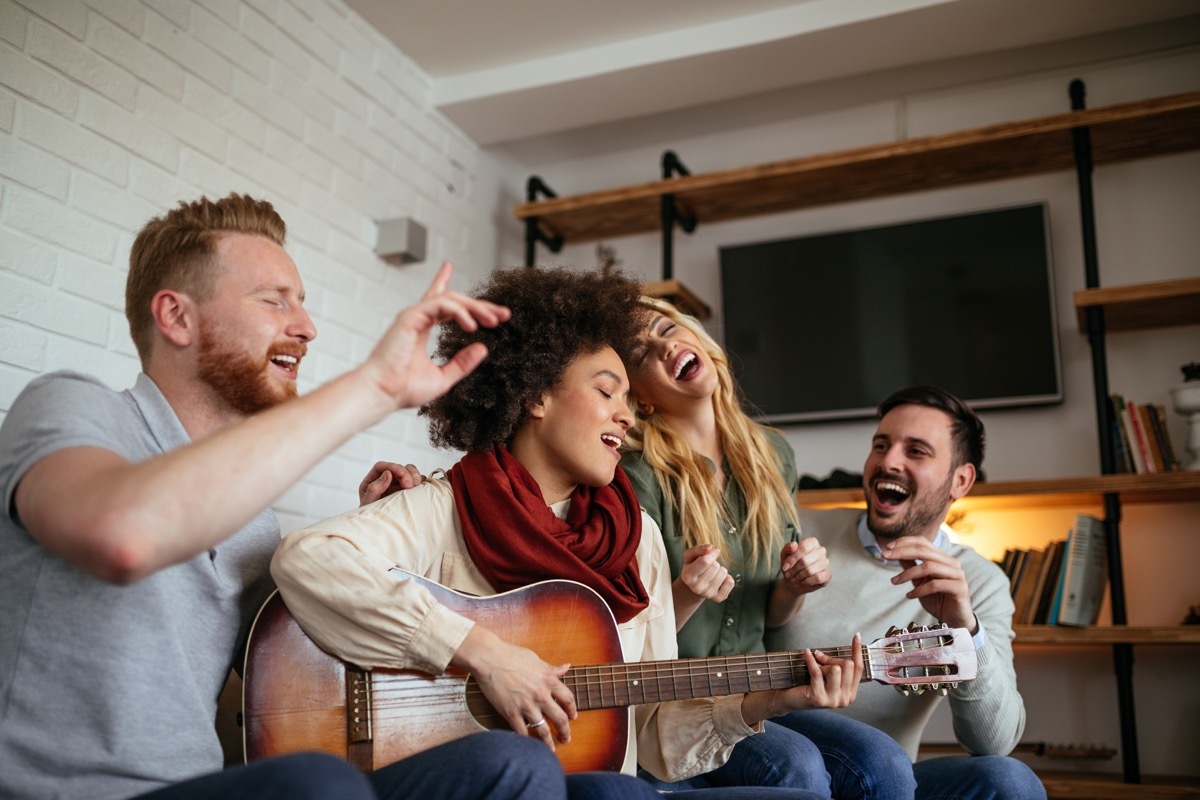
(110, 691)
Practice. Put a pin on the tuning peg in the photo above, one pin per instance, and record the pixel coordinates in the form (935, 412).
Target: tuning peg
(894, 631)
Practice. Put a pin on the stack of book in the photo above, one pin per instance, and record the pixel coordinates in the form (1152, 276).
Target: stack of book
(1140, 441)
(1062, 584)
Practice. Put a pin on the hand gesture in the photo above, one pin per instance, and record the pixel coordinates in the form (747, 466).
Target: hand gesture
(387, 478)
(833, 683)
(525, 690)
(704, 575)
(937, 578)
(702, 578)
(805, 565)
(400, 364)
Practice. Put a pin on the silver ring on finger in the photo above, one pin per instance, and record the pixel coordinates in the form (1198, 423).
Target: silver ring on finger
(537, 724)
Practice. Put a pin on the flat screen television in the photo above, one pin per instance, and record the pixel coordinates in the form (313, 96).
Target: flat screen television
(827, 326)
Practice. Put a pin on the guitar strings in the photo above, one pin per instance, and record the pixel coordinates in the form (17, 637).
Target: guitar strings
(655, 680)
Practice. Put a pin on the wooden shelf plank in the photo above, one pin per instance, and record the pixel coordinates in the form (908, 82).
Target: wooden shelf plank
(1166, 487)
(1064, 786)
(1141, 306)
(679, 296)
(1106, 634)
(1132, 130)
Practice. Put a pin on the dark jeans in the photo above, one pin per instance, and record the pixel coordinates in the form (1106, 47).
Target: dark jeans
(851, 760)
(492, 765)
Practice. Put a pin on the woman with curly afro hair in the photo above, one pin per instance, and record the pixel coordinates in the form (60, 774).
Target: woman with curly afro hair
(538, 496)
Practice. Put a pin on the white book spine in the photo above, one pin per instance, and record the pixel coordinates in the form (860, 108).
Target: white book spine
(1084, 573)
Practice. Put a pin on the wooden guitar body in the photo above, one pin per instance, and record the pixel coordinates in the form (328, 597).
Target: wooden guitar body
(298, 697)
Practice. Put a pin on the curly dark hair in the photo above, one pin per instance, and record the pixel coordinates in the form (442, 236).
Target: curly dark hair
(557, 315)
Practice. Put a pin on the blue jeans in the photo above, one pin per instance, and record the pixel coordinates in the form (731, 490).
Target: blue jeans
(855, 763)
(494, 765)
(977, 778)
(850, 760)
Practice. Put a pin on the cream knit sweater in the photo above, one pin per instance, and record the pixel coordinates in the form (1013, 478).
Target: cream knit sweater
(988, 713)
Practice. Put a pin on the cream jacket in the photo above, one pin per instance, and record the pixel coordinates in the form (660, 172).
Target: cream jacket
(337, 581)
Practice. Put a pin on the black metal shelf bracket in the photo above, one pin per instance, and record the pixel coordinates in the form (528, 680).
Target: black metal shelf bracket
(1122, 653)
(671, 214)
(534, 187)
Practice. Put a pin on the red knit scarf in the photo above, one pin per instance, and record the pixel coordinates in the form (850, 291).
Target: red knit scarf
(515, 539)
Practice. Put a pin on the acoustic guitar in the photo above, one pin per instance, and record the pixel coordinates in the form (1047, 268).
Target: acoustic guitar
(298, 697)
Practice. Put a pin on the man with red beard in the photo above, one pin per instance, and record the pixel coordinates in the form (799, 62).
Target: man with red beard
(895, 564)
(135, 536)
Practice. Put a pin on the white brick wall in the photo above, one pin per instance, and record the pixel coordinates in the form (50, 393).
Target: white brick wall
(113, 111)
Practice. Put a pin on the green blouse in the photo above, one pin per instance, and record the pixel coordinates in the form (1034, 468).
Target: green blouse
(737, 625)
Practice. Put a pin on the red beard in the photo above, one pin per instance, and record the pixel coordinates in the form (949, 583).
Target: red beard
(239, 378)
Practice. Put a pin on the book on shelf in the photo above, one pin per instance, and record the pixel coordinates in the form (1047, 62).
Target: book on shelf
(1083, 580)
(1122, 456)
(1047, 582)
(1158, 417)
(1145, 411)
(1022, 592)
(1016, 570)
(1006, 562)
(1034, 583)
(1140, 439)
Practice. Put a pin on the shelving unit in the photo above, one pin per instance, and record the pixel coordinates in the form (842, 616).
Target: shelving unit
(1079, 140)
(1119, 133)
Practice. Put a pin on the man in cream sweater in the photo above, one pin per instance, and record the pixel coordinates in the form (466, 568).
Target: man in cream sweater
(894, 564)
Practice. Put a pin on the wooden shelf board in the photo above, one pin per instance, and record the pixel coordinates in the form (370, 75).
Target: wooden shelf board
(679, 296)
(1140, 306)
(1106, 634)
(1132, 130)
(1067, 786)
(1167, 487)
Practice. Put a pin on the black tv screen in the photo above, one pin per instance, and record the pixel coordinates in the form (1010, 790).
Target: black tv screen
(827, 326)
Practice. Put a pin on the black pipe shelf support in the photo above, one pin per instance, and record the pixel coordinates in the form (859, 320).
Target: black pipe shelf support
(672, 215)
(1122, 653)
(534, 187)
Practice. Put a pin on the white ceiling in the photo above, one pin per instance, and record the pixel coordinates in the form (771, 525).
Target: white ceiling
(506, 70)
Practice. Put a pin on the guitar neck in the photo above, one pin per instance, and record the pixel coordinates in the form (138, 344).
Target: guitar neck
(614, 685)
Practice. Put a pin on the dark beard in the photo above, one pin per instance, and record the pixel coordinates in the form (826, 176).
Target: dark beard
(239, 378)
(923, 514)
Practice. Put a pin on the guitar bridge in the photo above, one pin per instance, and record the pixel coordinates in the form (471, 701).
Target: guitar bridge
(358, 706)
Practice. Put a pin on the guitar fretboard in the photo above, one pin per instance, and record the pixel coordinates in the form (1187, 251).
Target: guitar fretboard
(613, 685)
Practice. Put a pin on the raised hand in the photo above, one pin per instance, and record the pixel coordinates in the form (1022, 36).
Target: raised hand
(703, 577)
(805, 565)
(400, 364)
(387, 478)
(704, 574)
(937, 578)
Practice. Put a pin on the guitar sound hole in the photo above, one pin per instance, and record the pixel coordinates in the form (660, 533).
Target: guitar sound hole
(483, 711)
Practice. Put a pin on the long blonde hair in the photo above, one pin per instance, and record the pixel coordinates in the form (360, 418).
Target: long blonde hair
(686, 478)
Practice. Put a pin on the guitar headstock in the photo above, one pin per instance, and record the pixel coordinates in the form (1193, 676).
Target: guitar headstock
(922, 658)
